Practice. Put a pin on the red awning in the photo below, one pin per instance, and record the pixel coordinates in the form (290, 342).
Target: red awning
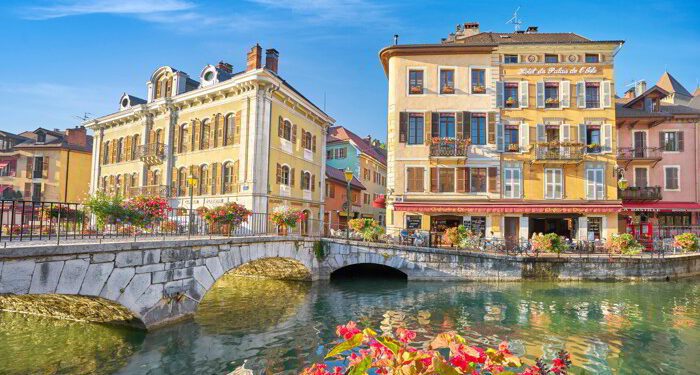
(662, 206)
(507, 208)
(4, 164)
(380, 202)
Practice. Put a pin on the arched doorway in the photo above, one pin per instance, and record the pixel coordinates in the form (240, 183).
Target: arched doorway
(305, 223)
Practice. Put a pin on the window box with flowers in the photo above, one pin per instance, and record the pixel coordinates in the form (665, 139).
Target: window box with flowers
(513, 147)
(224, 219)
(478, 89)
(551, 102)
(511, 101)
(416, 90)
(448, 90)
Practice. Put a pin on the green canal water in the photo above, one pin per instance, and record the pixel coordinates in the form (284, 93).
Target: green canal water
(280, 327)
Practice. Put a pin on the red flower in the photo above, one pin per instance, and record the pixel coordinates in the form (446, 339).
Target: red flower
(347, 331)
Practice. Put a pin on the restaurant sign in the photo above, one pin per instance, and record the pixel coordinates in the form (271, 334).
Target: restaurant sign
(558, 70)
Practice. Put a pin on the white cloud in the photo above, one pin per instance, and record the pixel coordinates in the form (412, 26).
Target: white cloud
(138, 8)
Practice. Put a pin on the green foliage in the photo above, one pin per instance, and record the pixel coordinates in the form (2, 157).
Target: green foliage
(369, 229)
(548, 243)
(107, 209)
(624, 244)
(320, 250)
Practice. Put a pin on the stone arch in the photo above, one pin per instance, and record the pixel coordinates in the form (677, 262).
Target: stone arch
(368, 270)
(274, 268)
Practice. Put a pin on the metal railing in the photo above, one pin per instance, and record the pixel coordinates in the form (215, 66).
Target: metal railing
(632, 153)
(563, 153)
(149, 190)
(151, 153)
(448, 147)
(633, 193)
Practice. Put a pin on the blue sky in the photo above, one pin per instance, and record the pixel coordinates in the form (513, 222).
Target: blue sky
(63, 58)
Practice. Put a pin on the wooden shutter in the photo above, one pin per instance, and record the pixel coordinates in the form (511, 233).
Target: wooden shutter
(524, 134)
(279, 173)
(291, 177)
(149, 178)
(213, 131)
(467, 180)
(493, 180)
(313, 182)
(27, 190)
(461, 180)
(662, 143)
(294, 134)
(176, 142)
(499, 137)
(491, 128)
(606, 94)
(403, 127)
(215, 179)
(313, 143)
(433, 179)
(127, 148)
(427, 127)
(113, 151)
(459, 131)
(196, 135)
(540, 94)
(468, 124)
(280, 127)
(30, 167)
(435, 125)
(607, 137)
(565, 94)
(237, 127)
(581, 94)
(523, 88)
(582, 133)
(499, 94)
(680, 141)
(564, 132)
(220, 130)
(541, 137)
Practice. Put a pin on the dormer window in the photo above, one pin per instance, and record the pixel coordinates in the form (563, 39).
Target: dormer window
(40, 137)
(164, 87)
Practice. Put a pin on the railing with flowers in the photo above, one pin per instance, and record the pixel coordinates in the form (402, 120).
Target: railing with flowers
(449, 147)
(559, 151)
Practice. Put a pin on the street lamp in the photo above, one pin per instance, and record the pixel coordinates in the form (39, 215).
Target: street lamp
(192, 182)
(348, 178)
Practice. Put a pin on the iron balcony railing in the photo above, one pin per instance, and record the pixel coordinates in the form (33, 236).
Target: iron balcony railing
(634, 193)
(149, 190)
(559, 153)
(449, 147)
(152, 153)
(632, 153)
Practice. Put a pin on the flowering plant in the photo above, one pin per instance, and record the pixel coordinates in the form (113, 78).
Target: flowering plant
(547, 243)
(229, 214)
(369, 229)
(623, 244)
(365, 351)
(478, 89)
(144, 210)
(65, 213)
(105, 208)
(416, 89)
(461, 237)
(686, 241)
(287, 216)
(510, 100)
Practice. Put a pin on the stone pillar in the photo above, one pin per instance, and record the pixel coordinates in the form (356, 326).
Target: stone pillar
(168, 135)
(96, 160)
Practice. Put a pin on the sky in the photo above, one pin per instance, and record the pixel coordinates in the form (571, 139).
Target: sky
(62, 59)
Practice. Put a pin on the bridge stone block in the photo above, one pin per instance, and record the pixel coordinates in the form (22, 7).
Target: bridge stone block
(151, 256)
(160, 277)
(202, 275)
(16, 276)
(149, 298)
(214, 266)
(102, 257)
(45, 277)
(72, 276)
(226, 260)
(174, 287)
(150, 268)
(117, 281)
(136, 287)
(209, 251)
(129, 258)
(95, 278)
(182, 273)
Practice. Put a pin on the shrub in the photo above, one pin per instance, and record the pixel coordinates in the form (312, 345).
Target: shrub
(369, 229)
(364, 351)
(107, 210)
(623, 244)
(65, 213)
(686, 242)
(547, 243)
(461, 237)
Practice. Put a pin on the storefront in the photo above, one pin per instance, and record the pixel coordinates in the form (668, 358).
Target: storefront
(660, 219)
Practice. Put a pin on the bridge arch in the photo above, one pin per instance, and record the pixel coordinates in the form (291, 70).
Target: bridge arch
(368, 271)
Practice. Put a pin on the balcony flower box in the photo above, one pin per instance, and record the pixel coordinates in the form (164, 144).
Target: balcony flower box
(416, 89)
(513, 147)
(552, 101)
(448, 90)
(511, 101)
(478, 89)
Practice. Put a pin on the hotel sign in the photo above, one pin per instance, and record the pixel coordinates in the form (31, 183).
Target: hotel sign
(558, 70)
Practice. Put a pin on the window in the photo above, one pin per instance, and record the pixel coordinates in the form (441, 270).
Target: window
(306, 181)
(365, 198)
(593, 139)
(446, 180)
(120, 150)
(229, 129)
(447, 125)
(510, 94)
(592, 95)
(674, 219)
(414, 179)
(340, 153)
(415, 129)
(182, 182)
(592, 58)
(672, 178)
(329, 154)
(229, 177)
(511, 138)
(366, 174)
(36, 192)
(306, 140)
(595, 184)
(641, 177)
(415, 82)
(551, 94)
(285, 176)
(136, 143)
(203, 185)
(510, 59)
(40, 137)
(511, 182)
(204, 135)
(330, 190)
(477, 225)
(184, 138)
(38, 170)
(594, 228)
(551, 59)
(671, 141)
(286, 131)
(478, 81)
(477, 180)
(553, 183)
(478, 129)
(447, 81)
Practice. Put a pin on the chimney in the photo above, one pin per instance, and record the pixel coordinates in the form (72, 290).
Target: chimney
(629, 94)
(254, 56)
(224, 66)
(640, 87)
(470, 28)
(531, 30)
(272, 59)
(77, 136)
(368, 138)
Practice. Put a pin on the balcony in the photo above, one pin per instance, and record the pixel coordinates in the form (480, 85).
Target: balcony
(151, 191)
(152, 153)
(449, 147)
(639, 154)
(633, 193)
(559, 153)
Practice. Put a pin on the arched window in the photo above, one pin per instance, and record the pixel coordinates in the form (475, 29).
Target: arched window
(134, 179)
(284, 175)
(306, 180)
(164, 86)
(118, 185)
(229, 129)
(105, 154)
(205, 132)
(306, 140)
(135, 145)
(105, 183)
(159, 136)
(182, 182)
(228, 178)
(184, 138)
(287, 130)
(120, 149)
(203, 185)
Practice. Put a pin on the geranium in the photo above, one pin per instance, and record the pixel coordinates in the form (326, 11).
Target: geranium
(287, 216)
(686, 242)
(369, 229)
(547, 243)
(624, 244)
(229, 214)
(144, 210)
(365, 351)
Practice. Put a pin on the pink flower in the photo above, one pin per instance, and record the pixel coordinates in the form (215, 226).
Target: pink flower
(405, 335)
(347, 331)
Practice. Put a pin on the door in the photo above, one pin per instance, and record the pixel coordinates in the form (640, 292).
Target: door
(640, 144)
(511, 231)
(641, 178)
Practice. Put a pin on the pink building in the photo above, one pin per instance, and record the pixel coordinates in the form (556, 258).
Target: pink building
(658, 154)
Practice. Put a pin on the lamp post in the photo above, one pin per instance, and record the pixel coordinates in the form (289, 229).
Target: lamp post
(348, 177)
(192, 182)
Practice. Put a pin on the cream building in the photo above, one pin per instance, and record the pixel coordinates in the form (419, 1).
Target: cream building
(246, 136)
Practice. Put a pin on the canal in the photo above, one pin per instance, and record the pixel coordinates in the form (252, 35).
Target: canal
(279, 327)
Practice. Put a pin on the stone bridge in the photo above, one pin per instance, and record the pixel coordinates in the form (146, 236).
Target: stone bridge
(151, 283)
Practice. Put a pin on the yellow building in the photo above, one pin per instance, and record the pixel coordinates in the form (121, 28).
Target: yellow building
(246, 136)
(45, 165)
(508, 133)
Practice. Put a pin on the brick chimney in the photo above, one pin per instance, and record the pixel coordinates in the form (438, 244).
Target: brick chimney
(254, 57)
(272, 59)
(629, 94)
(77, 136)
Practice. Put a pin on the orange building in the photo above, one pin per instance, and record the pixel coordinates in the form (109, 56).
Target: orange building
(337, 197)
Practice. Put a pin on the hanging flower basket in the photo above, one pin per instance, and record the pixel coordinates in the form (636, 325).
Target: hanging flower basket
(286, 218)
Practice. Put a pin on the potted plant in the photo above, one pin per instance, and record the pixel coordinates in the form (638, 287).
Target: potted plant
(513, 147)
(448, 89)
(478, 89)
(510, 101)
(143, 211)
(686, 242)
(286, 218)
(624, 244)
(547, 243)
(369, 229)
(416, 89)
(225, 218)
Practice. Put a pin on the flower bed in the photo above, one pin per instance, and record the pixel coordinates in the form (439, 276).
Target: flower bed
(369, 229)
(139, 211)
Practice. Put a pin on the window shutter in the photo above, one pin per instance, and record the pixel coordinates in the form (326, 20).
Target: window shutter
(197, 127)
(279, 173)
(461, 180)
(540, 133)
(582, 134)
(127, 140)
(540, 94)
(493, 180)
(583, 228)
(499, 94)
(565, 94)
(564, 133)
(294, 134)
(30, 167)
(176, 141)
(403, 127)
(113, 152)
(313, 143)
(524, 94)
(524, 135)
(590, 183)
(499, 137)
(467, 180)
(27, 190)
(303, 139)
(581, 94)
(291, 177)
(427, 127)
(280, 131)
(215, 180)
(433, 180)
(213, 131)
(237, 133)
(435, 125)
(662, 143)
(313, 182)
(607, 94)
(468, 124)
(607, 138)
(459, 131)
(491, 126)
(149, 178)
(680, 141)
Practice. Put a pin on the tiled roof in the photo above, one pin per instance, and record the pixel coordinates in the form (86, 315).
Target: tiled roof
(670, 84)
(667, 110)
(340, 133)
(490, 38)
(134, 100)
(338, 175)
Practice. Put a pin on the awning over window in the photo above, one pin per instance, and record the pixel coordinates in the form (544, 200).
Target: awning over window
(662, 206)
(497, 208)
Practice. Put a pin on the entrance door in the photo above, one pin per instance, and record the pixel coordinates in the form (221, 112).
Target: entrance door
(511, 231)
(641, 177)
(640, 144)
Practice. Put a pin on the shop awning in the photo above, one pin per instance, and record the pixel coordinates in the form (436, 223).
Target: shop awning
(380, 202)
(662, 206)
(496, 208)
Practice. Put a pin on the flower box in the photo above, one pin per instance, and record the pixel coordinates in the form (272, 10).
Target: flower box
(416, 90)
(511, 101)
(513, 147)
(448, 90)
(478, 89)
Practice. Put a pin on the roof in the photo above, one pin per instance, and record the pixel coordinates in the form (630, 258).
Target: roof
(697, 91)
(58, 141)
(491, 38)
(340, 133)
(695, 102)
(339, 176)
(670, 84)
(663, 93)
(12, 135)
(134, 100)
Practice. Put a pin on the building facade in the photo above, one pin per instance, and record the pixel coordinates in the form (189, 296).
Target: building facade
(336, 203)
(509, 133)
(345, 149)
(245, 136)
(45, 165)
